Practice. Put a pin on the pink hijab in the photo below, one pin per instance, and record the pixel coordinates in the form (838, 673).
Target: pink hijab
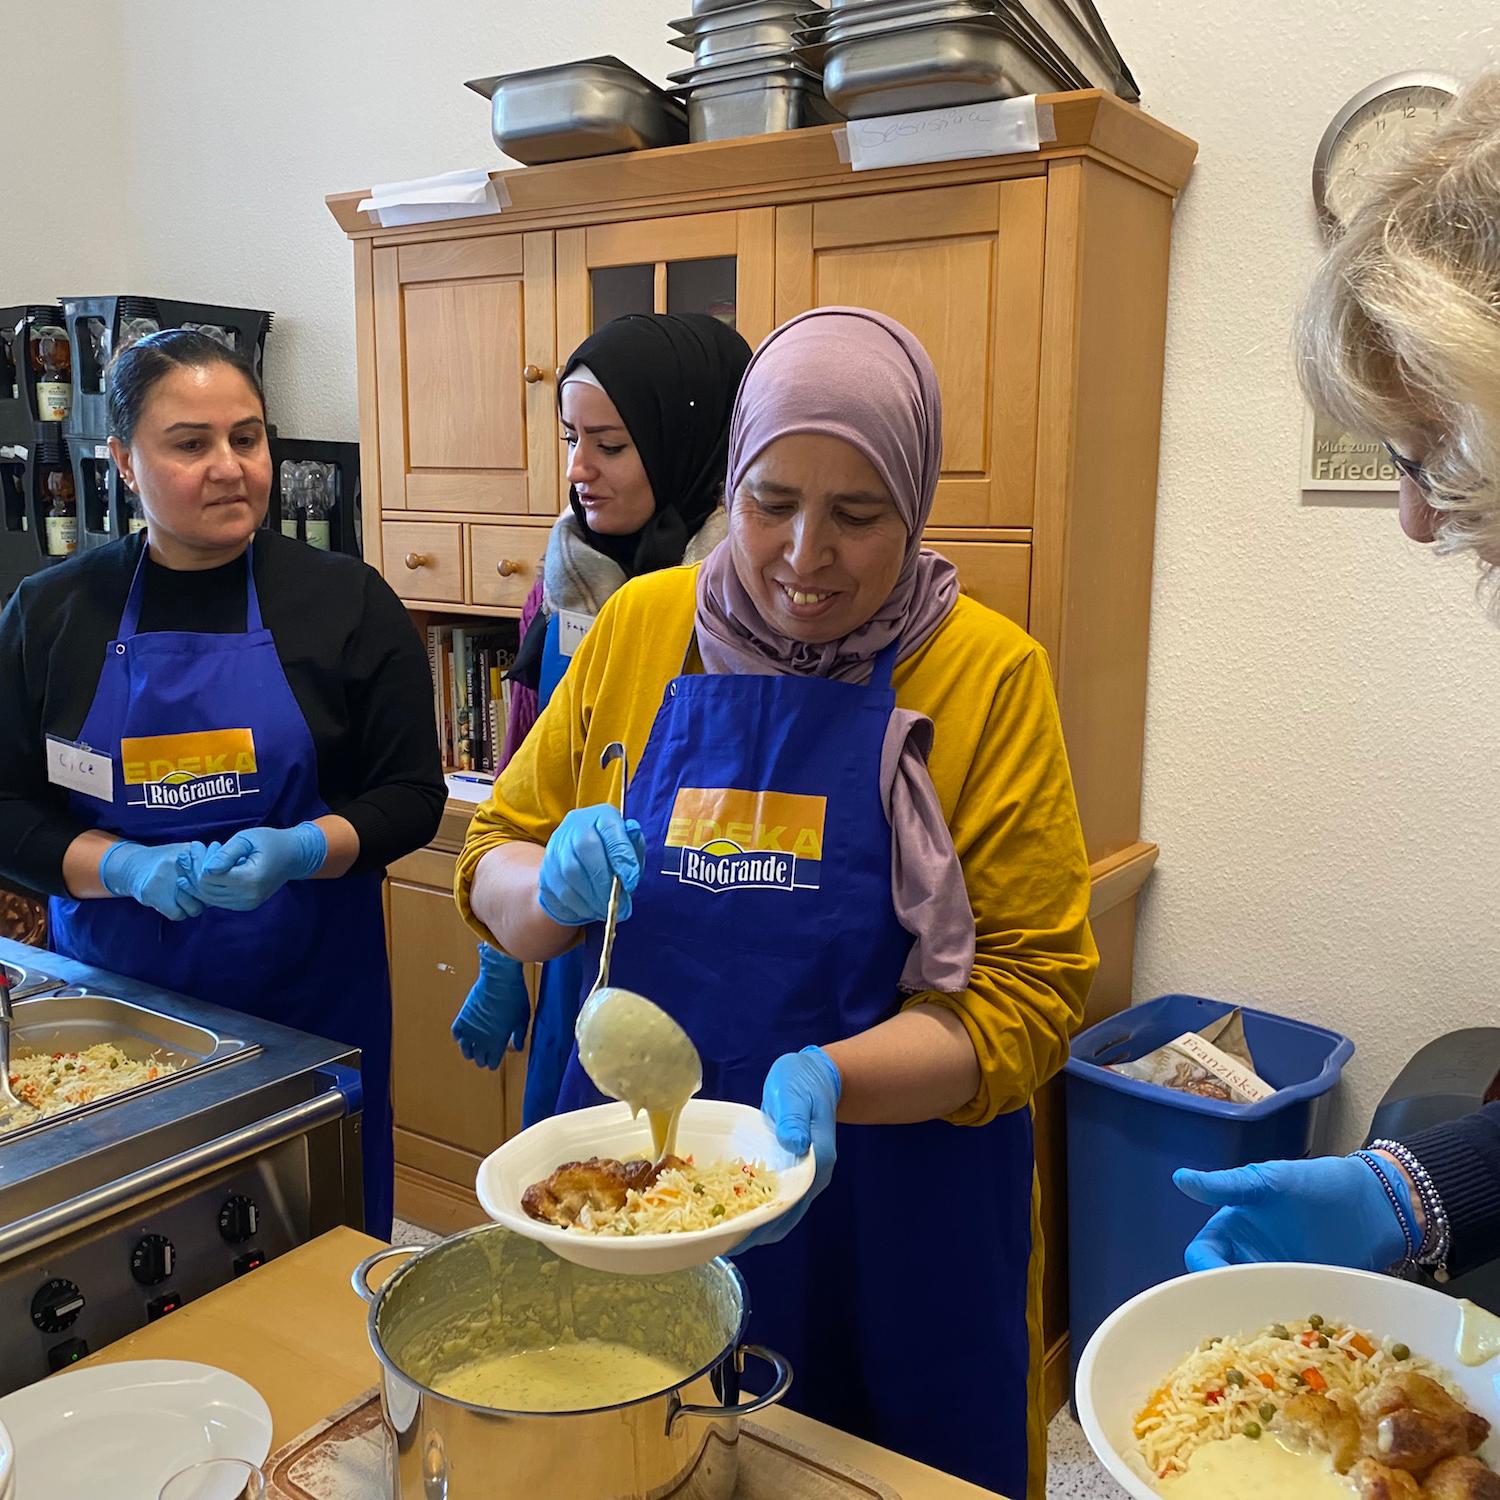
(859, 376)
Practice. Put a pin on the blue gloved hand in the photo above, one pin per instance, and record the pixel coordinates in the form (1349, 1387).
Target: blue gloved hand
(497, 1011)
(1331, 1210)
(591, 846)
(800, 1100)
(160, 876)
(251, 867)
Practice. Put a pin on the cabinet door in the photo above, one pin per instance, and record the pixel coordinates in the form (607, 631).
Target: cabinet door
(464, 352)
(962, 268)
(463, 1112)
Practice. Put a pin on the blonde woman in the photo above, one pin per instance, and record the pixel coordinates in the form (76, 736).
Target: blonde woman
(1400, 340)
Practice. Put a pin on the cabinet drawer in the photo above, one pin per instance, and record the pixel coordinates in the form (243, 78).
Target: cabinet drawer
(424, 560)
(997, 574)
(504, 563)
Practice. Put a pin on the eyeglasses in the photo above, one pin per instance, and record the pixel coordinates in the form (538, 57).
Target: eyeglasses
(1411, 468)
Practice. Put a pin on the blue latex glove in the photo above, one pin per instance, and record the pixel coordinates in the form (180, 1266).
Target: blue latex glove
(800, 1100)
(1331, 1209)
(158, 876)
(251, 867)
(497, 1011)
(591, 846)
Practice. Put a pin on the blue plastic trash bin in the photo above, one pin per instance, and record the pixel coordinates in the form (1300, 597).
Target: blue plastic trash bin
(1127, 1225)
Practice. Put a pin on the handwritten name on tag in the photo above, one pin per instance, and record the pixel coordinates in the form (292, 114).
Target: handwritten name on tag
(80, 769)
(999, 127)
(572, 626)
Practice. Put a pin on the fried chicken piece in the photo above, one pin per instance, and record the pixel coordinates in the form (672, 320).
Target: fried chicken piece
(1412, 1423)
(1463, 1478)
(599, 1184)
(1374, 1481)
(1326, 1424)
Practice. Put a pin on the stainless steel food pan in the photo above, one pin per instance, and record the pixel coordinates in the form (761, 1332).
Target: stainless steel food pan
(595, 107)
(706, 10)
(726, 111)
(72, 1021)
(742, 14)
(1076, 41)
(931, 67)
(715, 46)
(929, 14)
(26, 979)
(886, 10)
(745, 73)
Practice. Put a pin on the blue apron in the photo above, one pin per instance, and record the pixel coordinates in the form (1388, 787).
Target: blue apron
(764, 921)
(561, 986)
(313, 955)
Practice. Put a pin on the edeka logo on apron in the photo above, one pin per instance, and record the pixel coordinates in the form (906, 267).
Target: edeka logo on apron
(727, 839)
(169, 772)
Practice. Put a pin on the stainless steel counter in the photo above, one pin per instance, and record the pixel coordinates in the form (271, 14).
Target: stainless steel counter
(115, 1213)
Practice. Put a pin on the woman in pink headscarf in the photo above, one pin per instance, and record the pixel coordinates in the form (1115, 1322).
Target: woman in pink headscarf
(855, 876)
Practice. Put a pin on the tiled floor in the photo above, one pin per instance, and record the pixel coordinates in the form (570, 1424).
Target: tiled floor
(1072, 1473)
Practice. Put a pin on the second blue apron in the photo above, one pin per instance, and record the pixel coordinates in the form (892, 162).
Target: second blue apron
(207, 740)
(764, 921)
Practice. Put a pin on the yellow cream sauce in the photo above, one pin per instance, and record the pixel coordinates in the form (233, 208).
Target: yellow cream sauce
(1241, 1468)
(634, 1051)
(573, 1376)
(1478, 1334)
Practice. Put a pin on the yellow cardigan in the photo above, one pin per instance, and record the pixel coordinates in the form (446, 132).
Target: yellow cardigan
(997, 762)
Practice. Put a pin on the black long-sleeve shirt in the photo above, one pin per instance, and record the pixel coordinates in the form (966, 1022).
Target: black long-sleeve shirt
(355, 664)
(1463, 1160)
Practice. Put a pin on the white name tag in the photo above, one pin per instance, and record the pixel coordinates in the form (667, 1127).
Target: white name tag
(80, 769)
(571, 629)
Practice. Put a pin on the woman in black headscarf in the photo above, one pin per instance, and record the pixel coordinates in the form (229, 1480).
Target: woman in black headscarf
(645, 405)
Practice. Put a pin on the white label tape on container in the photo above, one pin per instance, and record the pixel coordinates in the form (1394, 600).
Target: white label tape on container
(998, 127)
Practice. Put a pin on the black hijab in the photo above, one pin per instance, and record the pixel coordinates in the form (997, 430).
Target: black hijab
(673, 378)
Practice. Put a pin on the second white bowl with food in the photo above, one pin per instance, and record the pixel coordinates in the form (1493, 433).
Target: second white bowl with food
(1124, 1374)
(711, 1132)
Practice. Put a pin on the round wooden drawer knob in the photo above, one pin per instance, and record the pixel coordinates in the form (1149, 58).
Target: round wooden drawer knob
(531, 374)
(415, 560)
(505, 567)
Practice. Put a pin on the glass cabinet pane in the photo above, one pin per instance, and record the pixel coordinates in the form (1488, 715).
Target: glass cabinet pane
(703, 286)
(618, 290)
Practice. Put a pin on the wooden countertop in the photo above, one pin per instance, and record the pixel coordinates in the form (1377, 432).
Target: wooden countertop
(296, 1331)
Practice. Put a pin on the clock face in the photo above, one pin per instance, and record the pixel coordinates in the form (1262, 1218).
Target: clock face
(1370, 134)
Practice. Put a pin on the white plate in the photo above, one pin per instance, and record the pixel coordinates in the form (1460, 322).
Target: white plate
(1137, 1347)
(124, 1430)
(710, 1130)
(7, 1466)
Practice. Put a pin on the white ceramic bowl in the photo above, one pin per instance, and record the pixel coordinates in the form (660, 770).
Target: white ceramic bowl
(1139, 1345)
(710, 1130)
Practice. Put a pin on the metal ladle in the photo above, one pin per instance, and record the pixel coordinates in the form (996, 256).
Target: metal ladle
(9, 1104)
(631, 1048)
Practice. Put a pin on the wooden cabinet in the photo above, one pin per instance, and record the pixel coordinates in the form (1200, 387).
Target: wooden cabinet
(461, 356)
(449, 1114)
(962, 268)
(1037, 282)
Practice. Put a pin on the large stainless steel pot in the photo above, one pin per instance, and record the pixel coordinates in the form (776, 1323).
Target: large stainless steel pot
(489, 1290)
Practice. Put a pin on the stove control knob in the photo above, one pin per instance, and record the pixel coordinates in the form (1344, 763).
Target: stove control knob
(56, 1306)
(239, 1219)
(153, 1260)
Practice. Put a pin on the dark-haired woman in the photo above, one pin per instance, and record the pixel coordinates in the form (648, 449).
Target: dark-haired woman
(644, 405)
(258, 716)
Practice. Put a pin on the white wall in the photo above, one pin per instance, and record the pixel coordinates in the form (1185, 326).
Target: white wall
(1324, 730)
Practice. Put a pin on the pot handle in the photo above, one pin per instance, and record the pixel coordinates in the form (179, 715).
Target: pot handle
(360, 1280)
(779, 1387)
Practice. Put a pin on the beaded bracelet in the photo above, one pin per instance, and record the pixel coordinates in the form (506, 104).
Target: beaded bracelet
(1408, 1232)
(1437, 1241)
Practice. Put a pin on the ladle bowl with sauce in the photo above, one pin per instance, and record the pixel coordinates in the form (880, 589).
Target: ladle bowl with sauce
(1137, 1347)
(709, 1130)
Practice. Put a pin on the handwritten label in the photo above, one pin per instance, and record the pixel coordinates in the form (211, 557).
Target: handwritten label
(998, 127)
(80, 769)
(571, 629)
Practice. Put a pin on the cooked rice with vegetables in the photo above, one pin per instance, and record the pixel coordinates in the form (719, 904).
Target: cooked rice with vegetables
(1236, 1386)
(52, 1083)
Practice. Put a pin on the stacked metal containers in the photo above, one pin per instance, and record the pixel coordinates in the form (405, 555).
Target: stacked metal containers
(747, 76)
(882, 57)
